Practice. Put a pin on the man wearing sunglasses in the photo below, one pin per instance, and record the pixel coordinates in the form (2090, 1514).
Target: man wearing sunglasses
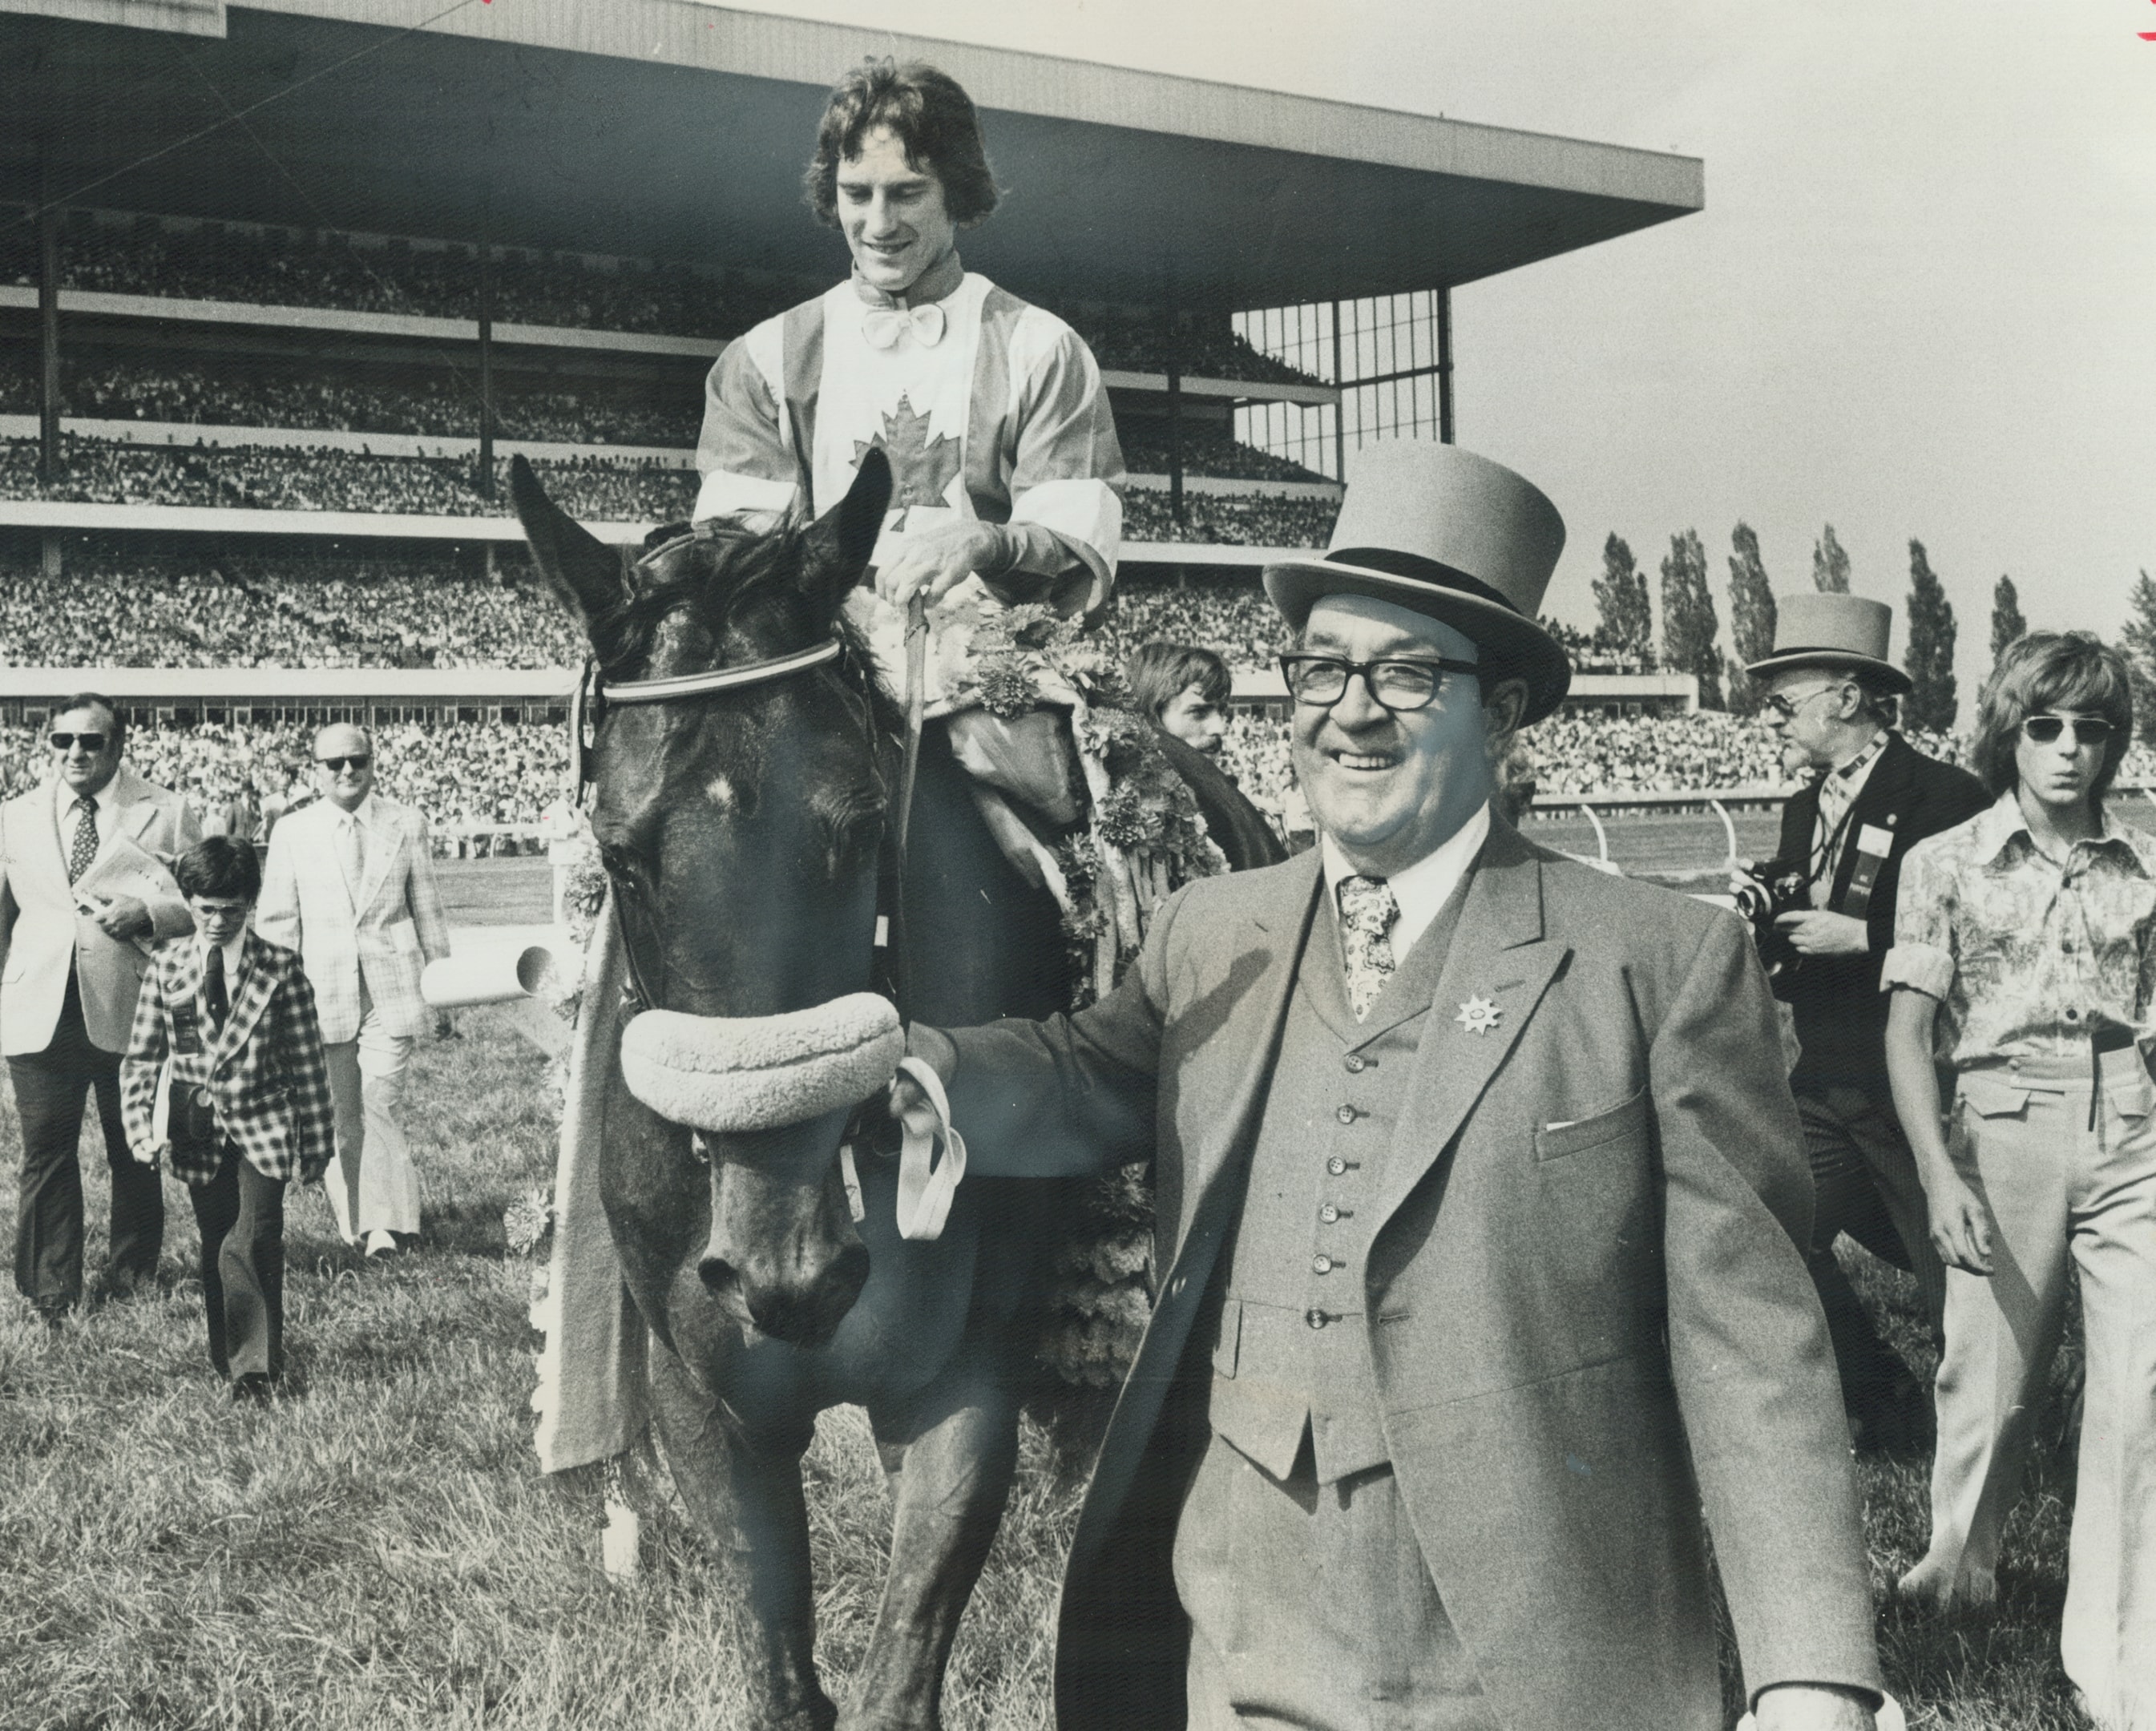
(349, 884)
(1830, 698)
(85, 889)
(1478, 1178)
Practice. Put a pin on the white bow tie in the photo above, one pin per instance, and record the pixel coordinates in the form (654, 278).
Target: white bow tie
(883, 325)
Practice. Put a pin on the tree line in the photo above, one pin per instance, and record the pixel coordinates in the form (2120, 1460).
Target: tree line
(1691, 626)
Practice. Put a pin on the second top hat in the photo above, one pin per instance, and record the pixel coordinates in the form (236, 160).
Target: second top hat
(1816, 629)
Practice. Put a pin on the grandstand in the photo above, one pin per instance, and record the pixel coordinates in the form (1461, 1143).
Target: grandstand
(258, 383)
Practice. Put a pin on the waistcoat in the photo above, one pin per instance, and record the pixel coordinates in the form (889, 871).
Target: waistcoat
(1293, 1358)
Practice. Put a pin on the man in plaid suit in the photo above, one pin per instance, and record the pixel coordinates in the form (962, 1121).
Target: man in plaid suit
(349, 884)
(224, 1074)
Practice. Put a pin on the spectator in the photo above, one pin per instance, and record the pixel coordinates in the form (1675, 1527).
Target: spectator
(350, 884)
(1183, 691)
(84, 881)
(2023, 955)
(226, 1026)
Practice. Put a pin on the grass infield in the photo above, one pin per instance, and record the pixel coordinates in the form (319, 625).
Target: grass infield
(376, 1549)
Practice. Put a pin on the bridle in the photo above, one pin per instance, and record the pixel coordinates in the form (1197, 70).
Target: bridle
(595, 694)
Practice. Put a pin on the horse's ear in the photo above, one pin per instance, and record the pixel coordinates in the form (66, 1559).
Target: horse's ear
(583, 570)
(842, 541)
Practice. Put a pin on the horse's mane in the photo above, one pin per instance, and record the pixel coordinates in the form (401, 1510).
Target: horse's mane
(717, 579)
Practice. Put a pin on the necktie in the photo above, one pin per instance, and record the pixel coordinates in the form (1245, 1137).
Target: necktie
(84, 847)
(351, 844)
(215, 999)
(1367, 910)
(883, 325)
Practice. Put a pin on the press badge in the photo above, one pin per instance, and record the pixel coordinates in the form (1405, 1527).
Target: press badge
(1873, 845)
(187, 1029)
(1873, 840)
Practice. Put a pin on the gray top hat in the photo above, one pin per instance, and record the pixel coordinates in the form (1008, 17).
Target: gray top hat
(1445, 532)
(1814, 629)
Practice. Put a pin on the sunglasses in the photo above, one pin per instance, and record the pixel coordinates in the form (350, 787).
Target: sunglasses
(1782, 709)
(91, 742)
(2045, 729)
(359, 760)
(1402, 686)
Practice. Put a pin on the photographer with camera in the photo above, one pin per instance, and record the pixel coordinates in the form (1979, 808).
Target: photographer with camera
(1823, 910)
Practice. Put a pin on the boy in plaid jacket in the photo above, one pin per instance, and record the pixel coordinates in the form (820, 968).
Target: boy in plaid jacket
(224, 1073)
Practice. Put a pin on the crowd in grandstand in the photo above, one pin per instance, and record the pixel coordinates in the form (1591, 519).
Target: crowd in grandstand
(197, 395)
(275, 478)
(470, 775)
(278, 267)
(1205, 450)
(112, 611)
(1229, 520)
(1232, 618)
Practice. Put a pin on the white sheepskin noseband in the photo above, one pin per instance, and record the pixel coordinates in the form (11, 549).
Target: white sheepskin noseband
(729, 1073)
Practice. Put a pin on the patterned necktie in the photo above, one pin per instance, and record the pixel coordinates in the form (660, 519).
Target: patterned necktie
(883, 325)
(84, 847)
(215, 999)
(1366, 910)
(351, 844)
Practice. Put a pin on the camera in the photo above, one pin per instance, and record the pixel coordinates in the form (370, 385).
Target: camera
(1763, 903)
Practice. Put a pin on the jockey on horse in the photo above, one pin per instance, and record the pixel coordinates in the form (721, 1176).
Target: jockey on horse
(1006, 469)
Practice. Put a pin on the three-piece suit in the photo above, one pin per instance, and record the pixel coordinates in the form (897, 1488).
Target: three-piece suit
(1511, 1264)
(67, 1001)
(363, 912)
(263, 1119)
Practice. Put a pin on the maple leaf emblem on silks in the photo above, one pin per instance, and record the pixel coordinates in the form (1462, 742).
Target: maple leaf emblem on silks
(921, 467)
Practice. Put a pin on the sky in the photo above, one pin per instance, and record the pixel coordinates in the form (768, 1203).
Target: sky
(1921, 300)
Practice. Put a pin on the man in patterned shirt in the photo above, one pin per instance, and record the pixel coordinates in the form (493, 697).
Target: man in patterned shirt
(2024, 960)
(1831, 697)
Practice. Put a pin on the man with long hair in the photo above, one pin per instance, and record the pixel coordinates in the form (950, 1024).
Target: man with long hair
(2024, 960)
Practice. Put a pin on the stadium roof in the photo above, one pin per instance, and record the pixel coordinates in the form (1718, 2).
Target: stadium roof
(674, 129)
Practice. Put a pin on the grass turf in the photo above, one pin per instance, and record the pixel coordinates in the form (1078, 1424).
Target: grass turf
(378, 1548)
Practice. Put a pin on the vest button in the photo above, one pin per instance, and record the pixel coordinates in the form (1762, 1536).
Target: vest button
(1329, 1213)
(1316, 1318)
(1356, 1063)
(1335, 1166)
(1321, 1263)
(1346, 1114)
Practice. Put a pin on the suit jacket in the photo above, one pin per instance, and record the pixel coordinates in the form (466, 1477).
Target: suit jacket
(1840, 1013)
(1585, 1311)
(268, 1083)
(385, 936)
(43, 934)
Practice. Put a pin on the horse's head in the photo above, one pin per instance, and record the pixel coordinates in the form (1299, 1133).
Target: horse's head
(740, 828)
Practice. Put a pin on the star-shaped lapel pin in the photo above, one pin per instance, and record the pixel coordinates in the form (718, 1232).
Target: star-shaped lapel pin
(1478, 1015)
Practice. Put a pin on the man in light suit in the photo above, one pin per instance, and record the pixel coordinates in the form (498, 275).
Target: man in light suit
(1480, 1189)
(349, 884)
(71, 961)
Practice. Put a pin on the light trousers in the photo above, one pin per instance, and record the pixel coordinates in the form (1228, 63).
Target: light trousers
(1311, 1606)
(2058, 1189)
(373, 1184)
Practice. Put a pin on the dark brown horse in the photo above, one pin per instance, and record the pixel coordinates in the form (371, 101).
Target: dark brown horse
(743, 831)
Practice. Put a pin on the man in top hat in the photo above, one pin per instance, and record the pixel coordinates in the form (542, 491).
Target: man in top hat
(1830, 696)
(1478, 1189)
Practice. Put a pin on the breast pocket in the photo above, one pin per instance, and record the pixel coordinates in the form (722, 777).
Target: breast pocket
(1625, 1122)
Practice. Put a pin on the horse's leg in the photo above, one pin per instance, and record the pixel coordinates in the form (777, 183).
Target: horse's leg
(746, 1495)
(951, 1453)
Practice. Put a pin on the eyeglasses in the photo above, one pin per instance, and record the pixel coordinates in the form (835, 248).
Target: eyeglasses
(1782, 709)
(91, 743)
(2045, 729)
(1402, 686)
(358, 760)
